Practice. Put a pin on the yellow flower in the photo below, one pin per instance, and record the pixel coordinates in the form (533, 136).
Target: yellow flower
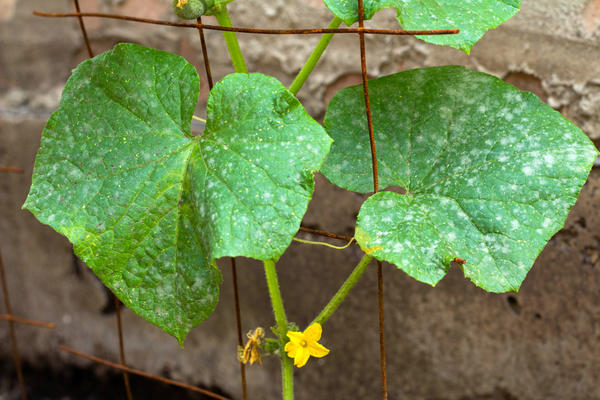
(302, 345)
(180, 3)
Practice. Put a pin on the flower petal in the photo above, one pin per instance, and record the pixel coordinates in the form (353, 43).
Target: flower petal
(255, 356)
(313, 332)
(291, 348)
(317, 350)
(301, 358)
(296, 337)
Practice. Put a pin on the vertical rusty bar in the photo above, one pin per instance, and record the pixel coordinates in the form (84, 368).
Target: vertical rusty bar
(83, 31)
(122, 348)
(363, 63)
(384, 392)
(205, 53)
(239, 325)
(13, 336)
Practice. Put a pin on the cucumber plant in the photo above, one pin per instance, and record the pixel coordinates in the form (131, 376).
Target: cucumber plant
(489, 173)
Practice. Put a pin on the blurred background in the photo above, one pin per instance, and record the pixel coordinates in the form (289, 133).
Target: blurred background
(452, 342)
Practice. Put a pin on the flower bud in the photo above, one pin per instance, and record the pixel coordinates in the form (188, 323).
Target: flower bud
(190, 9)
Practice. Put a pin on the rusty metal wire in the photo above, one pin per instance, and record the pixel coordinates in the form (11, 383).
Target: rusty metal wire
(122, 348)
(141, 373)
(310, 31)
(24, 321)
(325, 234)
(365, 82)
(12, 169)
(83, 31)
(384, 390)
(205, 54)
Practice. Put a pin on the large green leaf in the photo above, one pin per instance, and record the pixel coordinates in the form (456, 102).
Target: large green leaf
(147, 205)
(490, 172)
(472, 17)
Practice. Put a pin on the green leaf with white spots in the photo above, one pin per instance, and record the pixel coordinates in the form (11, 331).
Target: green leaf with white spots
(472, 17)
(148, 206)
(490, 172)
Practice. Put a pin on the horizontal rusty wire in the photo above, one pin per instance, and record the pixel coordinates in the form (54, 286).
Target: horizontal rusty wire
(141, 373)
(24, 321)
(326, 234)
(310, 31)
(12, 169)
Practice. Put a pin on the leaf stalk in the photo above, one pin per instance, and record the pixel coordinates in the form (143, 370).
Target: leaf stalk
(342, 293)
(314, 57)
(235, 52)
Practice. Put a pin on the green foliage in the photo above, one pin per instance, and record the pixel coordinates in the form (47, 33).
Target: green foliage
(147, 205)
(490, 172)
(472, 17)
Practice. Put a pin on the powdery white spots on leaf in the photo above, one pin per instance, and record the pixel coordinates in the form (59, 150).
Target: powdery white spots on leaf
(147, 205)
(498, 187)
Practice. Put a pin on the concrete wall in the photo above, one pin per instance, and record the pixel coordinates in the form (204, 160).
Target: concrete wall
(446, 343)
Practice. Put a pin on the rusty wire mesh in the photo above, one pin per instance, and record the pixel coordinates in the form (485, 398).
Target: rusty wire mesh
(361, 31)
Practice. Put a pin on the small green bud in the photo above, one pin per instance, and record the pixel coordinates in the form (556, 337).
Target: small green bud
(190, 9)
(271, 346)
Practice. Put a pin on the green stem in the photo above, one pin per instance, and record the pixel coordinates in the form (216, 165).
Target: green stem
(341, 294)
(287, 377)
(287, 368)
(314, 57)
(232, 43)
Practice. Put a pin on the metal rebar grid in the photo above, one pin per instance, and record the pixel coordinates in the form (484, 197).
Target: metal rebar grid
(361, 31)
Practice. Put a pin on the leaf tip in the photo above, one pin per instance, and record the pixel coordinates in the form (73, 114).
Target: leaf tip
(180, 336)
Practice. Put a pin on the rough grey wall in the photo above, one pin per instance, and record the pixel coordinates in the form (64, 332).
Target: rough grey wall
(446, 343)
